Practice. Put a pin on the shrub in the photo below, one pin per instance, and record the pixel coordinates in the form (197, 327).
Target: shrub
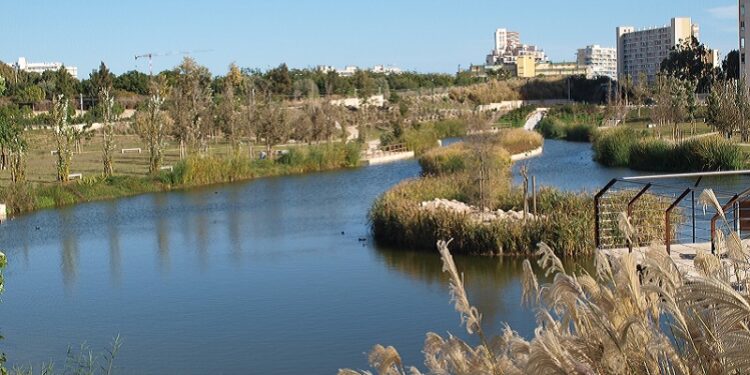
(553, 127)
(517, 141)
(445, 160)
(612, 147)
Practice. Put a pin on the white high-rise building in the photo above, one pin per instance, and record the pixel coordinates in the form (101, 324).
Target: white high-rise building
(642, 51)
(598, 61)
(42, 67)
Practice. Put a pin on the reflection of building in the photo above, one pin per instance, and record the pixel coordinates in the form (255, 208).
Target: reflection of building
(40, 68)
(744, 14)
(598, 61)
(508, 48)
(642, 51)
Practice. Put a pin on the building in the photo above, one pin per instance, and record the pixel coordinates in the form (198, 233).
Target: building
(525, 67)
(561, 69)
(508, 48)
(744, 23)
(383, 69)
(598, 61)
(642, 51)
(40, 68)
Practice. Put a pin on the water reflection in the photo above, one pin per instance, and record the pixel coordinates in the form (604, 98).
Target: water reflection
(492, 283)
(162, 230)
(115, 258)
(69, 255)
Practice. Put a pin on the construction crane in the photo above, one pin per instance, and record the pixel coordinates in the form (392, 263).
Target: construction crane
(151, 55)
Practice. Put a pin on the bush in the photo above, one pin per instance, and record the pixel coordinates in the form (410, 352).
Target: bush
(623, 147)
(552, 128)
(518, 141)
(612, 147)
(695, 155)
(422, 137)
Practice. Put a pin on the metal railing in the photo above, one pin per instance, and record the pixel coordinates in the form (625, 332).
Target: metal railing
(665, 209)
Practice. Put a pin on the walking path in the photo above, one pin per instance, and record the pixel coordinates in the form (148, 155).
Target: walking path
(535, 118)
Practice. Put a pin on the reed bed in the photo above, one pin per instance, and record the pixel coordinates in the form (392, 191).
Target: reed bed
(397, 219)
(626, 147)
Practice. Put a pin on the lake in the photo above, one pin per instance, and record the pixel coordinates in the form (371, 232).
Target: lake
(272, 276)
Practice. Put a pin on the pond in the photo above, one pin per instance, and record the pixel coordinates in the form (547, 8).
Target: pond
(273, 276)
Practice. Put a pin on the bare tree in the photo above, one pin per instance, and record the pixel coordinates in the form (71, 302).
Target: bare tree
(151, 123)
(190, 103)
(107, 103)
(65, 137)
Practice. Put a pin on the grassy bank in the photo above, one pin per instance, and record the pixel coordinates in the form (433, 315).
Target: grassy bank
(626, 147)
(191, 172)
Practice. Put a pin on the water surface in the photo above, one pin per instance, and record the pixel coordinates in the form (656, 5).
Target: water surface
(273, 276)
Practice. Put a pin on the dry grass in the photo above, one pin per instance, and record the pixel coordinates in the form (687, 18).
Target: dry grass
(623, 319)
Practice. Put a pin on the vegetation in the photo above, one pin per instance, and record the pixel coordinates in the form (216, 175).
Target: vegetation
(423, 137)
(397, 219)
(630, 316)
(516, 118)
(581, 89)
(554, 128)
(193, 171)
(625, 147)
(477, 172)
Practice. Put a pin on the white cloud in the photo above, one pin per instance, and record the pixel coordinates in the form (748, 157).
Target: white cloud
(728, 12)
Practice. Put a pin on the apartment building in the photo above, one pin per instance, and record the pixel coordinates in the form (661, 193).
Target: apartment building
(598, 61)
(642, 51)
(42, 67)
(508, 48)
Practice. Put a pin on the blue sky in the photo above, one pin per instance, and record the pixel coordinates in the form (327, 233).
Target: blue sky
(422, 35)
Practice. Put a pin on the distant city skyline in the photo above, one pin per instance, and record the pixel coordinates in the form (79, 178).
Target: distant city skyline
(420, 35)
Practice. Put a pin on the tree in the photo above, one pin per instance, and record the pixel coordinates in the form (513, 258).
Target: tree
(641, 91)
(280, 80)
(100, 79)
(722, 110)
(271, 123)
(65, 137)
(12, 144)
(690, 61)
(227, 114)
(730, 67)
(151, 124)
(2, 85)
(190, 104)
(133, 81)
(107, 104)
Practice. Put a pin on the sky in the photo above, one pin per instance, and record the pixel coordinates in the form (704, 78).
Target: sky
(418, 35)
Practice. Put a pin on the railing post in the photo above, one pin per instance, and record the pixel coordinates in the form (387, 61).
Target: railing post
(597, 223)
(637, 196)
(668, 223)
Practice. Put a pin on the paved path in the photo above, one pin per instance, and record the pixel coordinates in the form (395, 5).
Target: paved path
(535, 118)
